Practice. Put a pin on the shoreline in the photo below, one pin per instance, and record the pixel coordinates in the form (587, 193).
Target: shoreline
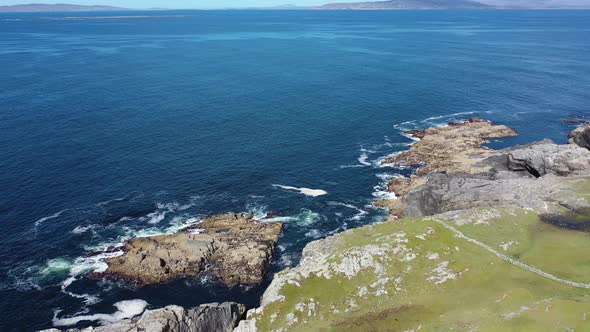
(465, 161)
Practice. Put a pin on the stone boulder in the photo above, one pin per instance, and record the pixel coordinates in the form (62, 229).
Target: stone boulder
(550, 158)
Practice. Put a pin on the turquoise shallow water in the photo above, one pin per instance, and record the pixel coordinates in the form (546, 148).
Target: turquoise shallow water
(113, 128)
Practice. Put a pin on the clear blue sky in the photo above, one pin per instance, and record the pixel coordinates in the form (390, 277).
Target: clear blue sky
(180, 3)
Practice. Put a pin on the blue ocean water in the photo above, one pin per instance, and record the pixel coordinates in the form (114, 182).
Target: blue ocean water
(114, 128)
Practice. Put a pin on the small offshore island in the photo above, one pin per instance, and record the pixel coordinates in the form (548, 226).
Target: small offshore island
(477, 240)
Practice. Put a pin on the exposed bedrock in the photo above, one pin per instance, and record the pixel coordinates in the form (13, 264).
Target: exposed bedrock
(581, 136)
(204, 318)
(234, 248)
(525, 176)
(449, 192)
(550, 158)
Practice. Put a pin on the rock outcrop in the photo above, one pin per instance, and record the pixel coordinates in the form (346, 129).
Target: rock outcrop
(581, 136)
(550, 158)
(216, 317)
(458, 173)
(235, 248)
(455, 148)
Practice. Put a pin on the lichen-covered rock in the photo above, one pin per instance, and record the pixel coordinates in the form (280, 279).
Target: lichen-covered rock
(216, 317)
(238, 248)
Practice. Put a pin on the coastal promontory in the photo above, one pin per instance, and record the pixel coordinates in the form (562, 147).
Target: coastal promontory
(478, 240)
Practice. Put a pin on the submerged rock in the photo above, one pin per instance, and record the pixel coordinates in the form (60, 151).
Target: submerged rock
(216, 317)
(235, 248)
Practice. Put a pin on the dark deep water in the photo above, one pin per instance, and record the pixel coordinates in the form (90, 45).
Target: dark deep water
(114, 128)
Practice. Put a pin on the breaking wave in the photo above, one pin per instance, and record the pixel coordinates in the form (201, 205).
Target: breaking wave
(125, 310)
(434, 121)
(304, 218)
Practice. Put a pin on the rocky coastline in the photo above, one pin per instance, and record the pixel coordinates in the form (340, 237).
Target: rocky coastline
(477, 239)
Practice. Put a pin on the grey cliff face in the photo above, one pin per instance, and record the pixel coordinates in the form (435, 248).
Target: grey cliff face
(549, 158)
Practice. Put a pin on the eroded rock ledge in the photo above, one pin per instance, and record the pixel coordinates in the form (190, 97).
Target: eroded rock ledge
(235, 248)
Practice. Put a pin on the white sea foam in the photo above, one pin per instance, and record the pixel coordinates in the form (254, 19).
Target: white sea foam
(258, 210)
(154, 217)
(382, 194)
(84, 265)
(163, 209)
(304, 191)
(381, 164)
(363, 159)
(434, 121)
(174, 206)
(286, 260)
(82, 229)
(304, 218)
(314, 234)
(125, 310)
(44, 219)
(56, 266)
(360, 212)
(381, 191)
(110, 201)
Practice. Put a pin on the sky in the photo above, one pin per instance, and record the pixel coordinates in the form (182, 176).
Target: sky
(179, 3)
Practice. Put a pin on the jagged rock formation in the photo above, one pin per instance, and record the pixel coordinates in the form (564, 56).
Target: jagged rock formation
(204, 318)
(581, 136)
(237, 247)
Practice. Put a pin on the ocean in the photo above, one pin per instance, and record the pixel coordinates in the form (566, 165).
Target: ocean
(135, 126)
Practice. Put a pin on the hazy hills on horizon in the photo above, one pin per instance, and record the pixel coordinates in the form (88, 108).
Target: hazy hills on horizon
(459, 4)
(361, 5)
(62, 7)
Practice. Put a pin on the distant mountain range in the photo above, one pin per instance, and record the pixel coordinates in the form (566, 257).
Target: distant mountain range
(57, 8)
(459, 4)
(370, 5)
(408, 4)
